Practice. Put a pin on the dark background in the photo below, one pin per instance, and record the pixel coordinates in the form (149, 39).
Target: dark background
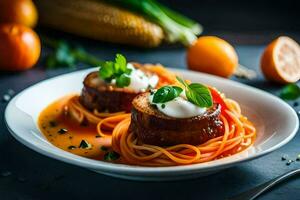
(242, 15)
(248, 25)
(243, 21)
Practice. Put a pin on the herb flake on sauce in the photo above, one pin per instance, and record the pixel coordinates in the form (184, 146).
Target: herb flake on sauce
(103, 148)
(111, 156)
(62, 131)
(85, 145)
(53, 123)
(71, 147)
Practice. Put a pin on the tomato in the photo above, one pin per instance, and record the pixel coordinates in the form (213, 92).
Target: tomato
(217, 98)
(18, 11)
(20, 47)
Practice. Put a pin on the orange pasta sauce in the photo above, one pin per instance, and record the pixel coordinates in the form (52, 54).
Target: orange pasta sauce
(68, 135)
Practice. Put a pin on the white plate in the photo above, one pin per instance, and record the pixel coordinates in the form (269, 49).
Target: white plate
(276, 122)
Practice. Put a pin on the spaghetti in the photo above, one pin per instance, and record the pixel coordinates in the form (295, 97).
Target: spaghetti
(239, 134)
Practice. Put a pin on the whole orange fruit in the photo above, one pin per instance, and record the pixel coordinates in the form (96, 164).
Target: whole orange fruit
(212, 55)
(18, 11)
(20, 47)
(280, 61)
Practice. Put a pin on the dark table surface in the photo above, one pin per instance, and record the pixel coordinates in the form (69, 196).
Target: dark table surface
(25, 174)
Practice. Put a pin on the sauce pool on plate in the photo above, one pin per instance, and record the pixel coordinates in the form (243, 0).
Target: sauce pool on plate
(62, 132)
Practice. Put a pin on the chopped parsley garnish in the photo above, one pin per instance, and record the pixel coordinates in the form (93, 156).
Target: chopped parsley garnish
(117, 70)
(290, 92)
(163, 106)
(289, 162)
(197, 93)
(71, 147)
(166, 93)
(85, 145)
(62, 131)
(103, 148)
(53, 123)
(283, 158)
(111, 156)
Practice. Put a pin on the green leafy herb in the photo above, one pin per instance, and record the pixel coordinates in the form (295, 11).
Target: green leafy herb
(62, 131)
(166, 93)
(62, 56)
(65, 55)
(120, 63)
(290, 92)
(123, 80)
(85, 145)
(53, 123)
(197, 94)
(116, 70)
(103, 148)
(111, 156)
(107, 70)
(182, 82)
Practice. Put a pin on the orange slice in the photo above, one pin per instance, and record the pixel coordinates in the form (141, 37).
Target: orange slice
(280, 61)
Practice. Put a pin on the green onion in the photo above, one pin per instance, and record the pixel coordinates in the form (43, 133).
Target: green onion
(181, 19)
(177, 27)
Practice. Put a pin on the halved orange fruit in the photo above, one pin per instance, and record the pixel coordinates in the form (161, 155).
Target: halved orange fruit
(280, 61)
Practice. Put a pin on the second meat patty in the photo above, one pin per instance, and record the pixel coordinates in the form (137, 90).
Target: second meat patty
(153, 127)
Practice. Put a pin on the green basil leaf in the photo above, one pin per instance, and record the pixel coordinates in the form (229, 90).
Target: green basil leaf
(182, 81)
(199, 95)
(178, 90)
(166, 93)
(128, 71)
(121, 63)
(290, 92)
(51, 62)
(106, 71)
(122, 81)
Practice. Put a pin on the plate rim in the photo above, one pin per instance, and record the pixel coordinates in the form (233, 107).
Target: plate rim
(141, 170)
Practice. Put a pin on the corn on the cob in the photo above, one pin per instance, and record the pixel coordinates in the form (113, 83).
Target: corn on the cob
(98, 20)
